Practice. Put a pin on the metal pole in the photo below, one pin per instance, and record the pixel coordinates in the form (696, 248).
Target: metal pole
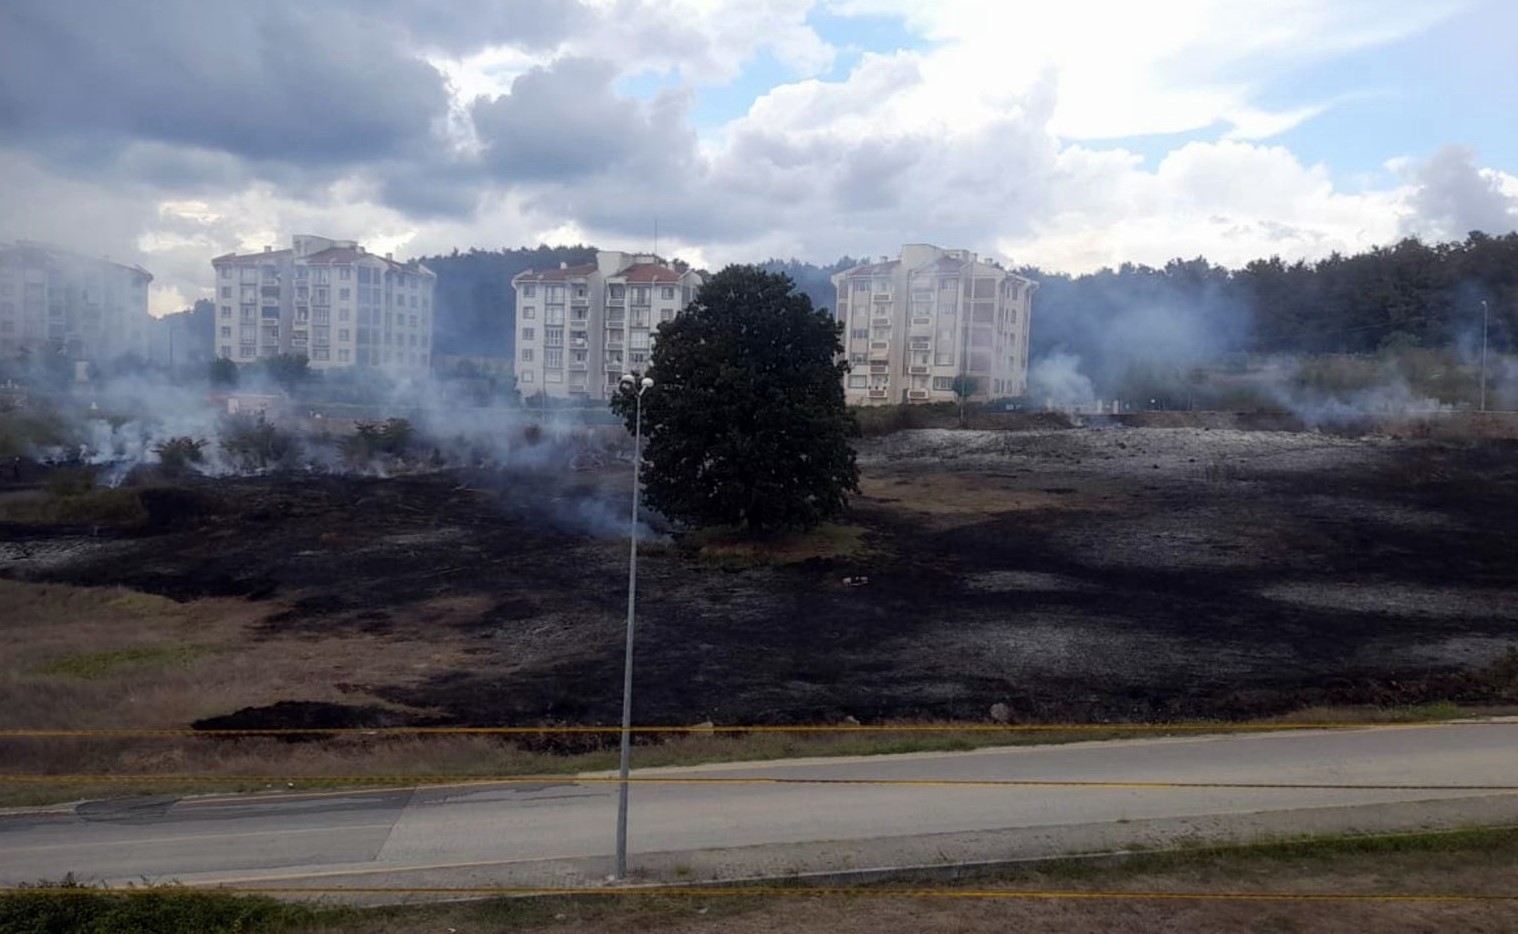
(627, 668)
(1483, 354)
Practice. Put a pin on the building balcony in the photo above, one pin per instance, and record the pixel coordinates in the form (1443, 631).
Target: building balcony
(919, 369)
(882, 297)
(879, 322)
(880, 369)
(579, 365)
(613, 366)
(879, 393)
(916, 394)
(615, 302)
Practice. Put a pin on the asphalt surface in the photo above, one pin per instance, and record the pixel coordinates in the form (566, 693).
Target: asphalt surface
(767, 818)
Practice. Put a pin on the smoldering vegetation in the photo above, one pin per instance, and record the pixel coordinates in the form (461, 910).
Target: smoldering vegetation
(145, 431)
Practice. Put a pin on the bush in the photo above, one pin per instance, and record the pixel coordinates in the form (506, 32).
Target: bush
(253, 443)
(177, 455)
(69, 907)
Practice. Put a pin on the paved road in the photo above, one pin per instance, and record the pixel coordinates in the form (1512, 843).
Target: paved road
(560, 832)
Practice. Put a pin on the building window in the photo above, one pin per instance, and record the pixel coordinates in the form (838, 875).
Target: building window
(529, 333)
(553, 376)
(225, 331)
(666, 314)
(860, 334)
(667, 292)
(226, 272)
(345, 272)
(342, 314)
(943, 383)
(858, 382)
(226, 311)
(413, 320)
(343, 334)
(226, 351)
(553, 359)
(529, 291)
(343, 355)
(529, 312)
(553, 337)
(526, 354)
(245, 352)
(639, 340)
(344, 294)
(226, 291)
(526, 376)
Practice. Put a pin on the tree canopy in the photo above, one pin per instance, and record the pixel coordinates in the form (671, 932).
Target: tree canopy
(746, 422)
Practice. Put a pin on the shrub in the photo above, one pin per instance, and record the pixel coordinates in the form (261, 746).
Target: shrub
(177, 455)
(69, 907)
(253, 443)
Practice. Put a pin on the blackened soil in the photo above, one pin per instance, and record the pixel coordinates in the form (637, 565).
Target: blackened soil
(1120, 574)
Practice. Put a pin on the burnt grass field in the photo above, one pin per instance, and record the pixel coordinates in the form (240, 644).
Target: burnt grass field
(1121, 573)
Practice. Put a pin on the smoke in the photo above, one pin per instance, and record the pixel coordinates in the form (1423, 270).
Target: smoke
(118, 427)
(1057, 379)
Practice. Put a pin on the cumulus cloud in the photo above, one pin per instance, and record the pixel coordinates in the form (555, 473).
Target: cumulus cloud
(193, 127)
(1453, 197)
(265, 81)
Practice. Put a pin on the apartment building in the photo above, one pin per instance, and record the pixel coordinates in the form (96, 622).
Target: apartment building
(331, 301)
(83, 308)
(579, 328)
(914, 324)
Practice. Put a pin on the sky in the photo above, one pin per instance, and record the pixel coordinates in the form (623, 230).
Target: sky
(1069, 136)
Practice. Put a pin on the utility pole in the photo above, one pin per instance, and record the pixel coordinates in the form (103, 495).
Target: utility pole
(639, 386)
(1484, 315)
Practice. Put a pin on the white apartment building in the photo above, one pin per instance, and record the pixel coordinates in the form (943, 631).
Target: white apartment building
(55, 301)
(914, 324)
(331, 301)
(579, 328)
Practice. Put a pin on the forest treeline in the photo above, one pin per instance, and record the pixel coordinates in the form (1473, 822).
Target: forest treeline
(1410, 294)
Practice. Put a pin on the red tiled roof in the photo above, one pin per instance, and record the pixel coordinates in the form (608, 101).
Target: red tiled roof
(555, 275)
(649, 272)
(873, 269)
(945, 264)
(236, 257)
(340, 254)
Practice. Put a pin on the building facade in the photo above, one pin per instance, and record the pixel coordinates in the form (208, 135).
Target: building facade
(579, 328)
(916, 325)
(66, 304)
(331, 301)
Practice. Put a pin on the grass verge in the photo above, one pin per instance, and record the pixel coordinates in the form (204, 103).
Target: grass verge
(1462, 862)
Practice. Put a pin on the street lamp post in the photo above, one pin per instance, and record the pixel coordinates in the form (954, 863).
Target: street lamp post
(1484, 312)
(641, 386)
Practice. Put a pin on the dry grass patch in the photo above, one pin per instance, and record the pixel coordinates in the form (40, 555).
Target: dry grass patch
(955, 497)
(738, 548)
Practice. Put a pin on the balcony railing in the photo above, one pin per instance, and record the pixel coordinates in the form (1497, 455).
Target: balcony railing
(917, 394)
(613, 366)
(879, 393)
(882, 297)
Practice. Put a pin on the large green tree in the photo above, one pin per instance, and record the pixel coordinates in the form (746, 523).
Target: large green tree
(746, 422)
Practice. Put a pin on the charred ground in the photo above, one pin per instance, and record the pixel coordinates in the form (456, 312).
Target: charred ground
(1129, 573)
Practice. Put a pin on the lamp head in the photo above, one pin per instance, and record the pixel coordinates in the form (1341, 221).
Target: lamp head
(627, 380)
(647, 383)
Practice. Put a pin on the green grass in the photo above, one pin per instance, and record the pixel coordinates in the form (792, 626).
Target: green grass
(105, 664)
(68, 907)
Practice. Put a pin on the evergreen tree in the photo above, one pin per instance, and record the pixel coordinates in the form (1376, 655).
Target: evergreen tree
(746, 422)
